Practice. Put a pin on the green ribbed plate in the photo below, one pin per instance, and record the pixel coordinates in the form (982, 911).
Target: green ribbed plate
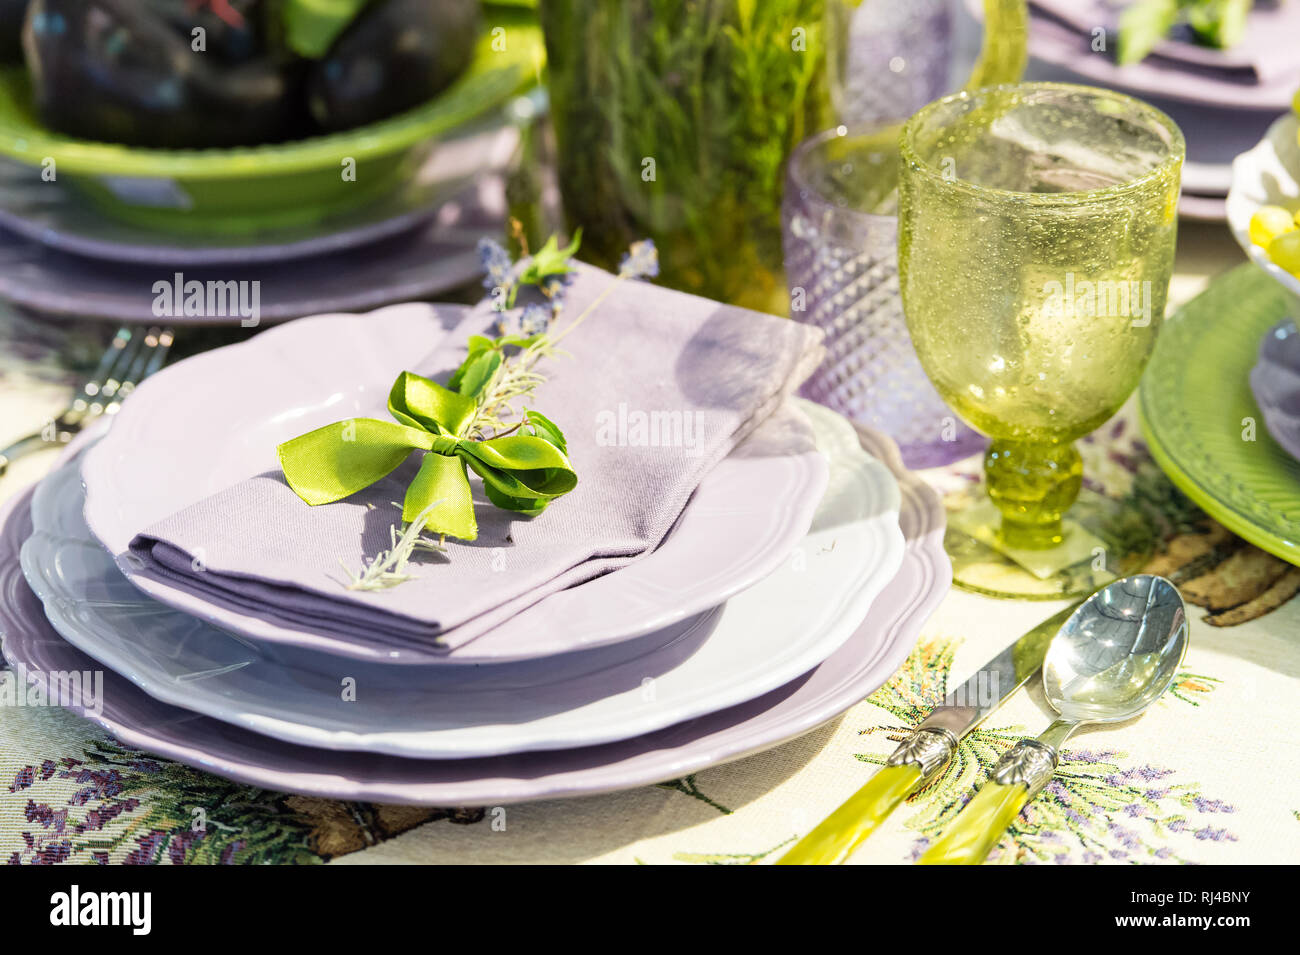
(1197, 409)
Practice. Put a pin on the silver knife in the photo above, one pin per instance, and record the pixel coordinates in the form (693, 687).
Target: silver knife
(929, 748)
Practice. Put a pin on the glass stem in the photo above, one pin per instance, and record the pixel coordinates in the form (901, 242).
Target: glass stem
(1033, 485)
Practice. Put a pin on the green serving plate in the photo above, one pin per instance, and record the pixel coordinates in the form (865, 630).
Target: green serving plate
(1201, 420)
(284, 185)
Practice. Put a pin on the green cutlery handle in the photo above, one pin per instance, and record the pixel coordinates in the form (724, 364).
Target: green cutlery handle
(847, 827)
(1018, 777)
(916, 760)
(979, 826)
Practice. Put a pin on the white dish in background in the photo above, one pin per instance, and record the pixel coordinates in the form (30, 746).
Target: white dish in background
(1268, 174)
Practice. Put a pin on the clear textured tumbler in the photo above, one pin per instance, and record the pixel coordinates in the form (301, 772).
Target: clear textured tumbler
(840, 230)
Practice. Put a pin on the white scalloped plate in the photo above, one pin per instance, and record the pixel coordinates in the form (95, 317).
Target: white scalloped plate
(853, 672)
(1267, 174)
(783, 626)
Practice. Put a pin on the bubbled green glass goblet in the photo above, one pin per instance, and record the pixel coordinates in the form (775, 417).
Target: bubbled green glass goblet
(1037, 224)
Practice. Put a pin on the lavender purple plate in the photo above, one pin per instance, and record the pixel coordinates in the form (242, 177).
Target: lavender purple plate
(782, 626)
(424, 260)
(1275, 381)
(855, 670)
(171, 446)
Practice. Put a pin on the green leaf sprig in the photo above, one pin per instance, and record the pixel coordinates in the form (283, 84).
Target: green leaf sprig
(1216, 23)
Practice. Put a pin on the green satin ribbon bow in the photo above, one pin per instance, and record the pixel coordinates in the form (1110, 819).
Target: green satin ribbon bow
(521, 472)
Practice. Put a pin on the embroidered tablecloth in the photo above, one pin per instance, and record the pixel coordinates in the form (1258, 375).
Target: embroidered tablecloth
(1208, 775)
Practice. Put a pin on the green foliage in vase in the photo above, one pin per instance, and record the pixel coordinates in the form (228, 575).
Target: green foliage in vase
(674, 120)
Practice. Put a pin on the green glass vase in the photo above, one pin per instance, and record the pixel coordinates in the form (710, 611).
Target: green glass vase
(673, 120)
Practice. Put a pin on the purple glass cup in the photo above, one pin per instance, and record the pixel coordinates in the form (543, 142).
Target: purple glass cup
(840, 233)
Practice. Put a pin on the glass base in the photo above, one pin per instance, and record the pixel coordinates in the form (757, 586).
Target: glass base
(1101, 544)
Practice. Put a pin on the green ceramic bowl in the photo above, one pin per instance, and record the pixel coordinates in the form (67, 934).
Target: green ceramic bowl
(256, 188)
(1200, 418)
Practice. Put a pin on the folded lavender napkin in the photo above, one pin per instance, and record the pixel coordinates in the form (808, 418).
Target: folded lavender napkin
(656, 387)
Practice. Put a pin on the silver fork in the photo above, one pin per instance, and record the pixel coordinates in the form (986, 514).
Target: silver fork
(135, 353)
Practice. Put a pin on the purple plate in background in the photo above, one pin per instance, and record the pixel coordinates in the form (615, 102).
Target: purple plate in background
(417, 264)
(1060, 44)
(1275, 381)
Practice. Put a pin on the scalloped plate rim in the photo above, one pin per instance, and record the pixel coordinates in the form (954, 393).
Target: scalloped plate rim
(802, 480)
(899, 613)
(881, 540)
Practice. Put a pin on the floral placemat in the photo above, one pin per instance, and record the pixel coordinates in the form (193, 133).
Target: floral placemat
(1206, 776)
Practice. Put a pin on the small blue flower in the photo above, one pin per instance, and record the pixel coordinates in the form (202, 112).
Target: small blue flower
(496, 263)
(504, 325)
(555, 285)
(641, 261)
(535, 320)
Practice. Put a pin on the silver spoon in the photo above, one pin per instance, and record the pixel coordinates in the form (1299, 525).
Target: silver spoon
(1114, 657)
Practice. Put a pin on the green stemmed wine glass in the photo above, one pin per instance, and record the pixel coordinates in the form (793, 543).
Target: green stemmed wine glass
(1036, 240)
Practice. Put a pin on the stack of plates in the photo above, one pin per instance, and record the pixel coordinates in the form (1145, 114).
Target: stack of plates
(385, 212)
(63, 256)
(791, 587)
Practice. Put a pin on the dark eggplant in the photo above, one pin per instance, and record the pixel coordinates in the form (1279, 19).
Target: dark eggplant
(111, 70)
(233, 30)
(395, 55)
(11, 30)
